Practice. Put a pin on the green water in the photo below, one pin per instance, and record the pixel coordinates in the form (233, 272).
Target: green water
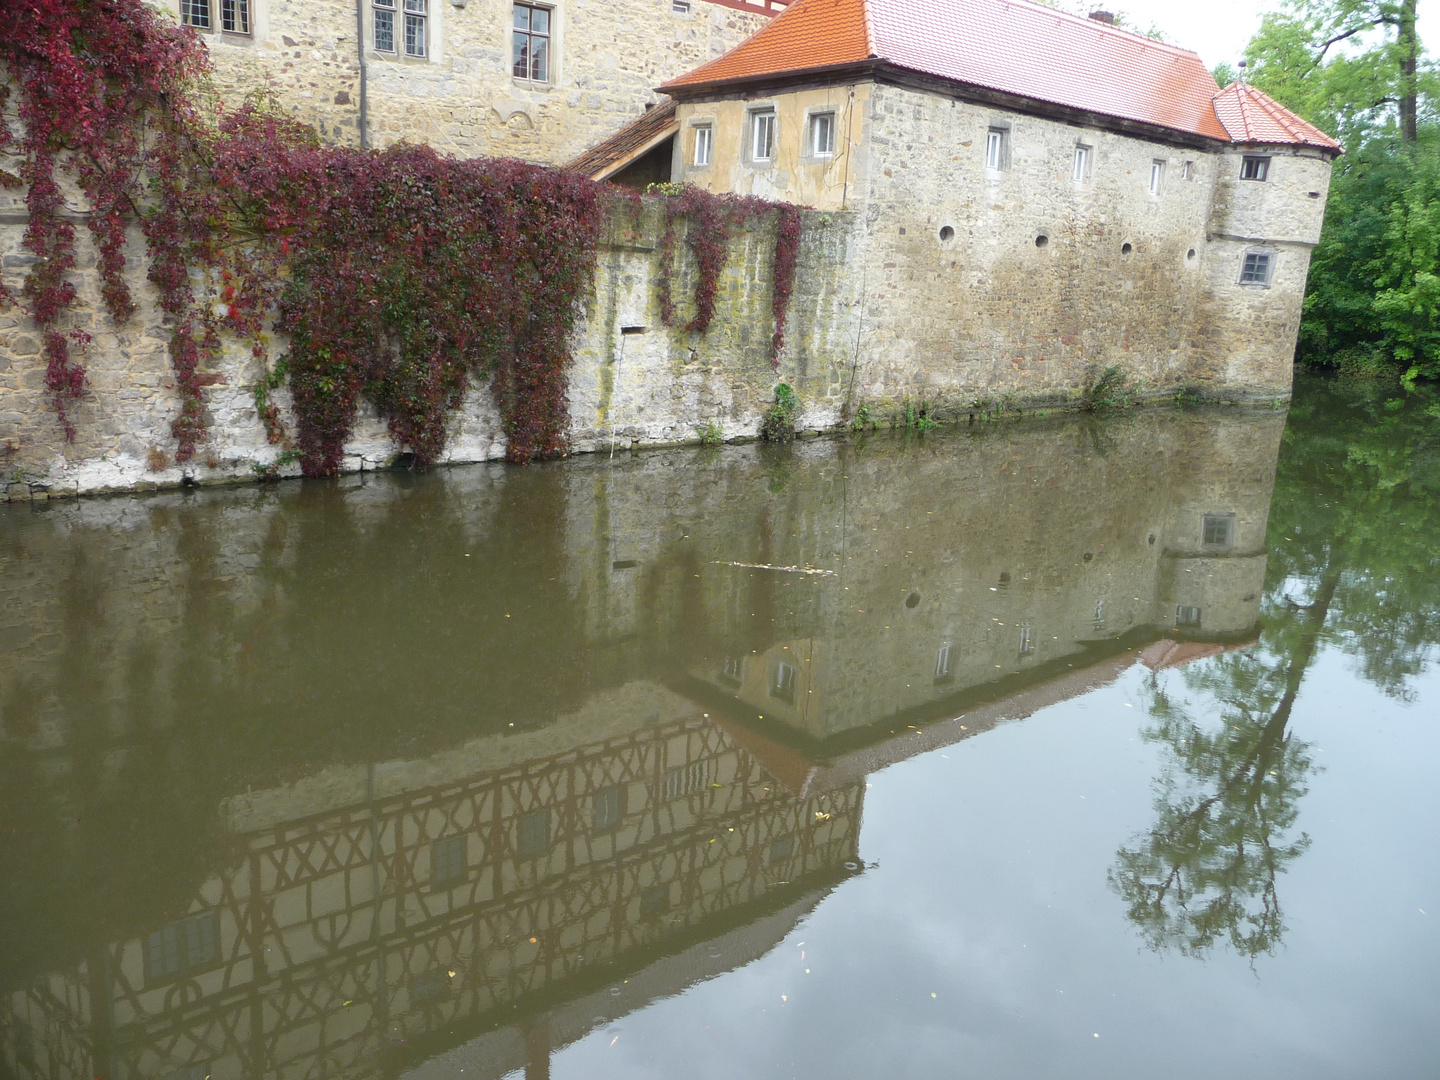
(1058, 748)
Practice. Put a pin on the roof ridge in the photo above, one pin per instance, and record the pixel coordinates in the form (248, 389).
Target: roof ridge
(1108, 28)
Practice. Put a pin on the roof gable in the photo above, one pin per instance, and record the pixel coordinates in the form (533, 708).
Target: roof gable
(1012, 46)
(1254, 117)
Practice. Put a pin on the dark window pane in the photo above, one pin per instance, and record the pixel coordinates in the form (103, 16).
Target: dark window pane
(655, 900)
(540, 20)
(607, 808)
(447, 861)
(534, 834)
(522, 17)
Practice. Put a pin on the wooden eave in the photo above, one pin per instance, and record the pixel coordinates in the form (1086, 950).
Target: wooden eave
(634, 155)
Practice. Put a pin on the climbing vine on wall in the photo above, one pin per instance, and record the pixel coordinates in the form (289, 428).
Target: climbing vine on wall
(397, 274)
(711, 222)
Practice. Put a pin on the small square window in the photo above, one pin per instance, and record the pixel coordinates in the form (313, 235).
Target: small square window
(447, 861)
(1218, 531)
(1253, 167)
(533, 834)
(1081, 167)
(704, 139)
(654, 900)
(1187, 616)
(1255, 270)
(605, 813)
(822, 134)
(996, 147)
(1157, 175)
(762, 136)
(782, 684)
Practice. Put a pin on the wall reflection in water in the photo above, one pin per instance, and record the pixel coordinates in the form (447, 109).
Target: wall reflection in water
(327, 779)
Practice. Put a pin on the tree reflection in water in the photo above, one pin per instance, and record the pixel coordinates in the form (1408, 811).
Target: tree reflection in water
(1351, 562)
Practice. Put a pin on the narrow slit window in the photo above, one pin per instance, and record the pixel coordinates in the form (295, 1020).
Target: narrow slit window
(782, 685)
(533, 834)
(762, 136)
(605, 814)
(1157, 176)
(384, 24)
(415, 28)
(995, 149)
(704, 138)
(1081, 168)
(235, 16)
(447, 861)
(531, 48)
(1187, 171)
(1254, 167)
(1256, 268)
(1027, 640)
(942, 663)
(195, 13)
(822, 135)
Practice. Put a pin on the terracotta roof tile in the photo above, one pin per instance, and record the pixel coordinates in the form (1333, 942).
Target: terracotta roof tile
(1253, 117)
(1012, 46)
(629, 142)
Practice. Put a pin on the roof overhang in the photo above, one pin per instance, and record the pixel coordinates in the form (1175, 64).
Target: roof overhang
(884, 71)
(638, 152)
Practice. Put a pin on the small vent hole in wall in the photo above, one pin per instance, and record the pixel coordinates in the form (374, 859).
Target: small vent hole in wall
(631, 330)
(1126, 249)
(1190, 254)
(1041, 240)
(946, 234)
(913, 600)
(1313, 194)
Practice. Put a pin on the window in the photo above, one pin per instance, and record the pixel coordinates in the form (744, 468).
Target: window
(384, 11)
(1027, 640)
(762, 135)
(732, 670)
(1218, 531)
(1253, 167)
(447, 861)
(1157, 174)
(235, 16)
(995, 148)
(654, 900)
(533, 834)
(687, 779)
(1255, 270)
(1187, 171)
(183, 947)
(781, 849)
(431, 986)
(704, 136)
(782, 685)
(1081, 167)
(415, 28)
(942, 663)
(1099, 614)
(195, 13)
(1187, 616)
(605, 812)
(680, 7)
(822, 134)
(531, 51)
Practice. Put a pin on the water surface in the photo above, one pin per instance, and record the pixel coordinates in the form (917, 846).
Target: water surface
(1059, 748)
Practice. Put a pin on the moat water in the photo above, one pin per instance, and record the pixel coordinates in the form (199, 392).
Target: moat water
(1058, 747)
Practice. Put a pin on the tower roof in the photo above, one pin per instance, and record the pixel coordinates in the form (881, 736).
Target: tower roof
(1253, 117)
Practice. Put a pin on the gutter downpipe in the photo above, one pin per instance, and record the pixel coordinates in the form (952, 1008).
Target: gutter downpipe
(360, 53)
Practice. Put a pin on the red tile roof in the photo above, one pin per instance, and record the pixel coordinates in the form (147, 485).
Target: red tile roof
(1252, 117)
(627, 144)
(1012, 46)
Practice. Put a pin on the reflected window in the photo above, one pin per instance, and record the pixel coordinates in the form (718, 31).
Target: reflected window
(654, 900)
(530, 55)
(732, 671)
(605, 812)
(447, 861)
(429, 987)
(942, 663)
(183, 947)
(781, 849)
(1218, 531)
(533, 834)
(687, 779)
(1027, 640)
(1099, 614)
(1187, 616)
(782, 683)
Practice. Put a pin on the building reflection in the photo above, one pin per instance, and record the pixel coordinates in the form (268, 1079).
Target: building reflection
(634, 761)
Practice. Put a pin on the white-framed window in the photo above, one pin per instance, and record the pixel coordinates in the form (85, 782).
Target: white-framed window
(680, 7)
(1257, 267)
(415, 27)
(1080, 168)
(704, 142)
(1254, 167)
(822, 134)
(383, 23)
(1157, 176)
(762, 135)
(530, 44)
(996, 140)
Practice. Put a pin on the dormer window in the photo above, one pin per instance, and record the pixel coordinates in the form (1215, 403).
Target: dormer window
(1254, 167)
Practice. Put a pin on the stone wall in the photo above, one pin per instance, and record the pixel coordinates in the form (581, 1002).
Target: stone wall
(462, 97)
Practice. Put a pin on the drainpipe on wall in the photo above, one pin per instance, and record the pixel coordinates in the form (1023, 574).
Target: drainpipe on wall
(360, 52)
